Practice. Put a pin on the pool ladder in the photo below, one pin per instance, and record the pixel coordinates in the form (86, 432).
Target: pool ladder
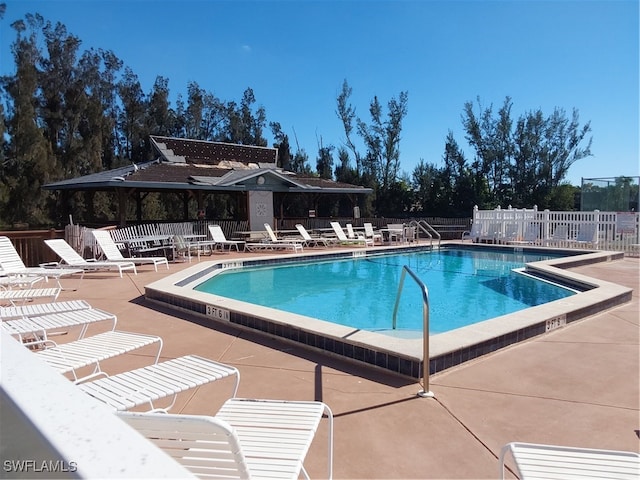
(427, 229)
(425, 392)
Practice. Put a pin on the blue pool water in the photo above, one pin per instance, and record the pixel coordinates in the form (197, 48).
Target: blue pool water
(464, 287)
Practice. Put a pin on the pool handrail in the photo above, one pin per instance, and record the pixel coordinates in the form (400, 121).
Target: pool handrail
(425, 392)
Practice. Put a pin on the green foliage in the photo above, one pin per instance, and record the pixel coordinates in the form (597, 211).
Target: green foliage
(67, 113)
(523, 166)
(324, 162)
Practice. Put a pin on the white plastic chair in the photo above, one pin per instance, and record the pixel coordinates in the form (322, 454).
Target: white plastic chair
(536, 461)
(369, 233)
(220, 239)
(342, 237)
(112, 252)
(275, 243)
(90, 351)
(310, 241)
(21, 296)
(11, 264)
(146, 385)
(72, 258)
(40, 327)
(247, 438)
(39, 309)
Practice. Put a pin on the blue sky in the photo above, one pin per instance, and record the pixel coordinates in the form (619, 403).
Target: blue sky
(296, 54)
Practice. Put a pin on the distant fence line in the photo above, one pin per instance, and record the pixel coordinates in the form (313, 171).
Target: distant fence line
(617, 231)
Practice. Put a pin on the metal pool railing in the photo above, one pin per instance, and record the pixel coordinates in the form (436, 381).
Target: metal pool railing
(425, 392)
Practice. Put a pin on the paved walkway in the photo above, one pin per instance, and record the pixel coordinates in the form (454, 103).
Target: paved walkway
(575, 386)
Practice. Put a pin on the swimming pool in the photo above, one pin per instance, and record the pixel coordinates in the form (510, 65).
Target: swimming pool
(399, 353)
(465, 287)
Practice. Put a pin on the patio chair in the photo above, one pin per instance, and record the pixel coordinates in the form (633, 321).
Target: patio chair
(587, 235)
(146, 385)
(342, 237)
(492, 234)
(39, 309)
(554, 461)
(72, 258)
(474, 234)
(184, 249)
(510, 233)
(273, 238)
(113, 254)
(369, 233)
(274, 243)
(90, 351)
(13, 297)
(19, 280)
(219, 238)
(352, 235)
(531, 235)
(35, 330)
(559, 236)
(247, 438)
(395, 232)
(11, 265)
(310, 241)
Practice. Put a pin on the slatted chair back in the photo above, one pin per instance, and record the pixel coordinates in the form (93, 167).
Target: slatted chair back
(10, 260)
(206, 446)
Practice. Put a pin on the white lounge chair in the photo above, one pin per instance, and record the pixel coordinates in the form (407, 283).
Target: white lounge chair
(531, 235)
(310, 241)
(247, 438)
(112, 252)
(8, 281)
(559, 236)
(510, 234)
(352, 235)
(36, 329)
(536, 461)
(342, 237)
(587, 235)
(492, 234)
(39, 309)
(219, 238)
(146, 385)
(273, 238)
(273, 242)
(72, 258)
(90, 351)
(370, 233)
(11, 265)
(14, 297)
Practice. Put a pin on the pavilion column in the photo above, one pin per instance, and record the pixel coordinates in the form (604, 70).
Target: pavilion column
(185, 205)
(122, 206)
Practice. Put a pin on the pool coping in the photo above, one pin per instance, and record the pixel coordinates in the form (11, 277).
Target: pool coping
(402, 356)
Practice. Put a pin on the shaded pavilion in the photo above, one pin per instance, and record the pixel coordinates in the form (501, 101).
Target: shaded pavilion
(195, 169)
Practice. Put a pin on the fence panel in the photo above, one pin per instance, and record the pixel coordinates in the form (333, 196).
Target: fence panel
(617, 231)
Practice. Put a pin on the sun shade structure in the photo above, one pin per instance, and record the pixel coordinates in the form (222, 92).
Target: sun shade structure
(196, 168)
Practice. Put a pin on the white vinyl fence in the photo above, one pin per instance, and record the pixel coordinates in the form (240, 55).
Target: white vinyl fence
(616, 231)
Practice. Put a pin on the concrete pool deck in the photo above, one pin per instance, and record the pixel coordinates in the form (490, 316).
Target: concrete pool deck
(577, 385)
